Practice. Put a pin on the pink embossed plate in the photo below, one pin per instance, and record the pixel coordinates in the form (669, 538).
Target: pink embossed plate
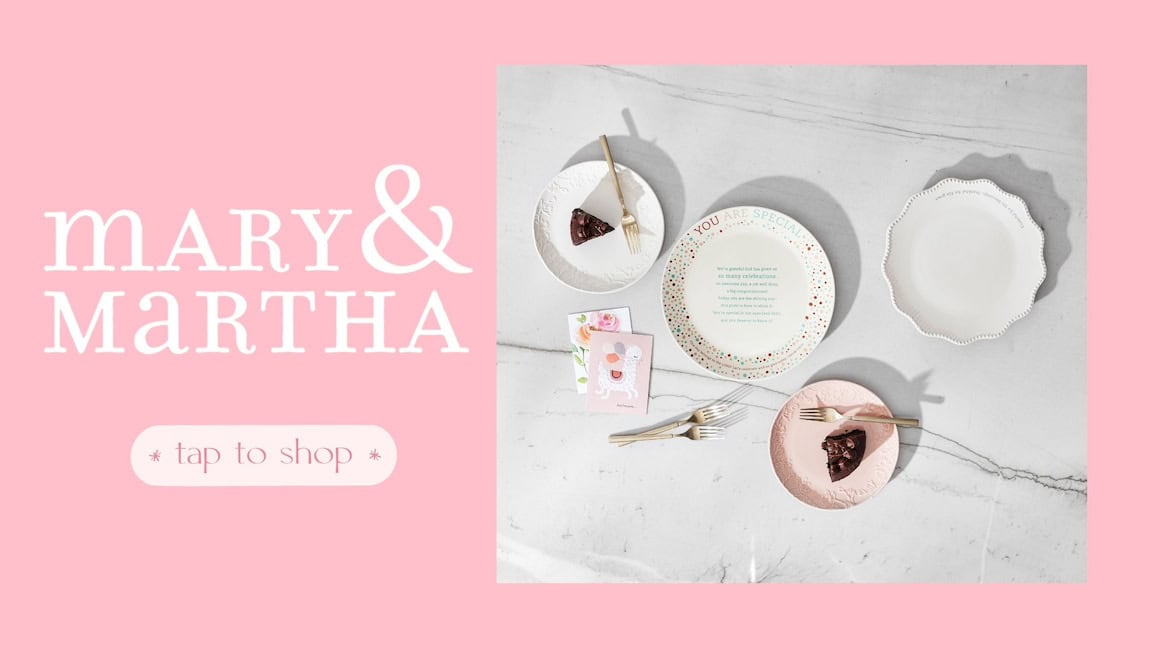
(800, 462)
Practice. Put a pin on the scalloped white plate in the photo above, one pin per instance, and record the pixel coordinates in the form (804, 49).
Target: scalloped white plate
(964, 260)
(603, 264)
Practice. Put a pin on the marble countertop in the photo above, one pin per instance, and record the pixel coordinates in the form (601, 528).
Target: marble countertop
(992, 488)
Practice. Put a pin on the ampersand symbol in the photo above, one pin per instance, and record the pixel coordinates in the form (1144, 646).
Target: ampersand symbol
(394, 211)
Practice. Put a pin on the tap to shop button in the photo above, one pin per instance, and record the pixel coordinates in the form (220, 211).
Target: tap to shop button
(263, 455)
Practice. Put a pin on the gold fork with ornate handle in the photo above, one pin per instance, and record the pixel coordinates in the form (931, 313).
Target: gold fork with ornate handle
(627, 220)
(701, 416)
(695, 433)
(830, 415)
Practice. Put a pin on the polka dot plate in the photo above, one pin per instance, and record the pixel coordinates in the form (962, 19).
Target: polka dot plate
(748, 293)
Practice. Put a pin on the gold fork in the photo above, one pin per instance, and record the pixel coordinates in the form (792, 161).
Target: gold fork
(701, 416)
(830, 415)
(695, 433)
(627, 220)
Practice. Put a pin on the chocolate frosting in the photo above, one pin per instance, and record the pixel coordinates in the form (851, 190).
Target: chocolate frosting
(585, 227)
(844, 452)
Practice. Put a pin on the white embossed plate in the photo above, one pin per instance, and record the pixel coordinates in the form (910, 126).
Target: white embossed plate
(603, 264)
(748, 293)
(964, 260)
(802, 465)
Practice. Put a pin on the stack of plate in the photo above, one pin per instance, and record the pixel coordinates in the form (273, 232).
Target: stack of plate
(748, 293)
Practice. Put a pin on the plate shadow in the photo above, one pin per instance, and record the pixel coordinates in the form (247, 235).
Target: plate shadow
(1038, 191)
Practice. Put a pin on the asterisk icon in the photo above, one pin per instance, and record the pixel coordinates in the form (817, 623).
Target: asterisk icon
(155, 455)
(374, 456)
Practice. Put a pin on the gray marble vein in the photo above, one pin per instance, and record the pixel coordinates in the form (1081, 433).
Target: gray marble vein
(993, 488)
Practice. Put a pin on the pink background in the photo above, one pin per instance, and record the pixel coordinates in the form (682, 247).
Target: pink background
(268, 107)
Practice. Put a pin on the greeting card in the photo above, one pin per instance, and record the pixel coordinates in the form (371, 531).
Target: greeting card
(619, 368)
(580, 329)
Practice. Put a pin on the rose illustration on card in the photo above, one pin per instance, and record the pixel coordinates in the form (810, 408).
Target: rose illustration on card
(619, 369)
(580, 329)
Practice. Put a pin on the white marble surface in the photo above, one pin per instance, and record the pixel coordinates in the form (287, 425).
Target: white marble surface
(994, 488)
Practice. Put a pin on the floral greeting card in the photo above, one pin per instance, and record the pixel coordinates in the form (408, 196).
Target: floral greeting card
(580, 329)
(619, 368)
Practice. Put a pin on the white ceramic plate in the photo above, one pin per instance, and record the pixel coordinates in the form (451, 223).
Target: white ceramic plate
(748, 293)
(964, 260)
(604, 264)
(802, 465)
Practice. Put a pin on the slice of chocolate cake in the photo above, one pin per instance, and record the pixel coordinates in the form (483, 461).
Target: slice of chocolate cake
(586, 227)
(844, 452)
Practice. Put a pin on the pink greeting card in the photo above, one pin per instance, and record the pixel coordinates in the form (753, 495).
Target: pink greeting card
(619, 368)
(580, 329)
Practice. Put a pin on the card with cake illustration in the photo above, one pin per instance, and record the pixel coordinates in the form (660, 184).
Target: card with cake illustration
(580, 329)
(619, 369)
